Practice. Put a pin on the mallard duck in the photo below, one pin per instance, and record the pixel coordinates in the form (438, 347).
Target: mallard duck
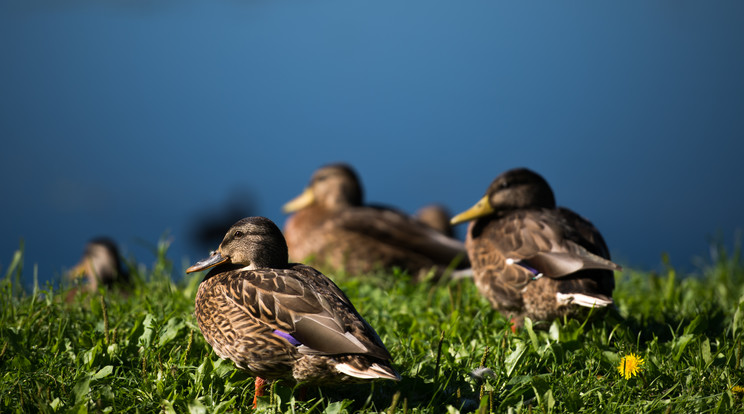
(532, 259)
(332, 227)
(436, 217)
(100, 265)
(276, 319)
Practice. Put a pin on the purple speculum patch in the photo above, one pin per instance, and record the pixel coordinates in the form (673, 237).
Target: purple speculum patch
(528, 267)
(288, 337)
(522, 263)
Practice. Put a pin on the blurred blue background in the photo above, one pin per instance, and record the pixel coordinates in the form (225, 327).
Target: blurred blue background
(135, 118)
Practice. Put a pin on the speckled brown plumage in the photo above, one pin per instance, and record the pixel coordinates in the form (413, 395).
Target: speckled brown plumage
(532, 259)
(333, 229)
(276, 319)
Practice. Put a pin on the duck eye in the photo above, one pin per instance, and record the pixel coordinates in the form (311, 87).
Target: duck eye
(238, 234)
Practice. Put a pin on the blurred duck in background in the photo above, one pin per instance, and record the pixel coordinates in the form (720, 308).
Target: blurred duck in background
(100, 266)
(437, 217)
(333, 229)
(531, 259)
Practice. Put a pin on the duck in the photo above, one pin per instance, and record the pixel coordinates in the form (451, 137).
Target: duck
(531, 258)
(331, 227)
(279, 320)
(437, 217)
(100, 266)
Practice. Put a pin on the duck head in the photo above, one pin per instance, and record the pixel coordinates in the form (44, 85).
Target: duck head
(333, 186)
(251, 243)
(100, 264)
(514, 189)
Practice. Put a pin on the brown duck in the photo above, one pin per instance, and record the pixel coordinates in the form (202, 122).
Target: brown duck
(276, 319)
(436, 217)
(100, 265)
(532, 259)
(332, 227)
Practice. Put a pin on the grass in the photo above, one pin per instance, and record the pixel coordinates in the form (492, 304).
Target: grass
(105, 352)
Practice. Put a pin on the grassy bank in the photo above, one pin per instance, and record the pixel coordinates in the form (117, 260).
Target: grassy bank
(107, 352)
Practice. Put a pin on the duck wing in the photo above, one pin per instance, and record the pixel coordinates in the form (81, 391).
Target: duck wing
(305, 308)
(400, 231)
(552, 242)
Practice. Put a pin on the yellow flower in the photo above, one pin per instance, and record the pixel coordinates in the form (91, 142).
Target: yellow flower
(737, 389)
(630, 365)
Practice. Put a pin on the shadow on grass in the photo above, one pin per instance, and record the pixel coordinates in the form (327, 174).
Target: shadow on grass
(409, 393)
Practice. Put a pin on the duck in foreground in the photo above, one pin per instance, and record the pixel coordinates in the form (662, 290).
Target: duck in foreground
(332, 227)
(276, 319)
(531, 258)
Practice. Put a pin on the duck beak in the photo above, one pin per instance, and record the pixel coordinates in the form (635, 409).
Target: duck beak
(213, 260)
(78, 272)
(480, 209)
(301, 201)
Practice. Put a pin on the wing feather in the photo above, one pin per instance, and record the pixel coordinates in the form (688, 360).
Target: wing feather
(548, 241)
(305, 304)
(400, 231)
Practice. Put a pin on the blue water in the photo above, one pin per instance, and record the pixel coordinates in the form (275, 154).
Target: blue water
(139, 119)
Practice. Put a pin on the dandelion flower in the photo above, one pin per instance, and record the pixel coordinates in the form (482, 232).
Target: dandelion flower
(630, 365)
(737, 389)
